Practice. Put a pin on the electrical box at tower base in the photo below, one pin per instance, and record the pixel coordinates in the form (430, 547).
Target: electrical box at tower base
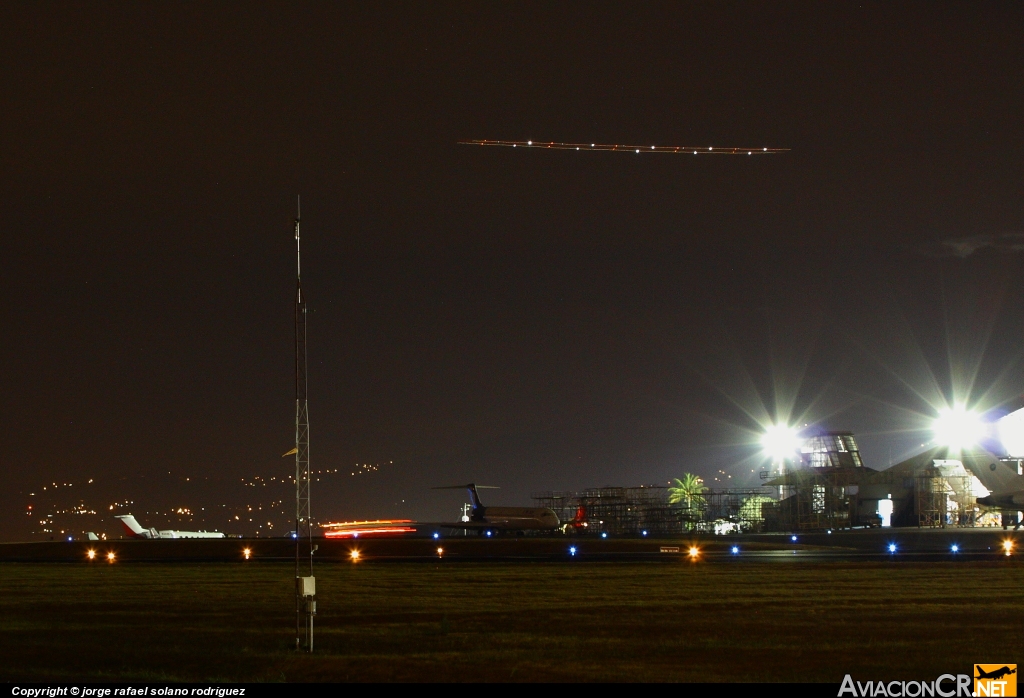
(307, 586)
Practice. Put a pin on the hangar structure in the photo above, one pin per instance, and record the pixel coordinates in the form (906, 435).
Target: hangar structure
(824, 486)
(646, 510)
(827, 486)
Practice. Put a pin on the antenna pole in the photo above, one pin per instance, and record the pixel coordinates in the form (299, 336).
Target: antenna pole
(305, 603)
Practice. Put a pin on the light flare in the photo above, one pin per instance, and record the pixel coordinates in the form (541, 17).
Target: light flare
(780, 441)
(958, 428)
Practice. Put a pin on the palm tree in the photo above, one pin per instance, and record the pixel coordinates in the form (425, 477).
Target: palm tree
(687, 493)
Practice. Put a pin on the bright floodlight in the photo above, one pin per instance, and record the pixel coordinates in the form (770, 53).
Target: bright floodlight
(958, 428)
(780, 442)
(1011, 433)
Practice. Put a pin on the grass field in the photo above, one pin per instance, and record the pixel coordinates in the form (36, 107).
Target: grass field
(521, 622)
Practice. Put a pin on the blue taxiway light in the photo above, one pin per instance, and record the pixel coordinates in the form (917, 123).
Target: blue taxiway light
(643, 533)
(793, 538)
(572, 550)
(436, 536)
(488, 534)
(892, 547)
(955, 548)
(604, 535)
(735, 549)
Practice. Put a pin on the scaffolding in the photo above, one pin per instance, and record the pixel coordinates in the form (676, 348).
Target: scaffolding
(645, 510)
(943, 496)
(813, 499)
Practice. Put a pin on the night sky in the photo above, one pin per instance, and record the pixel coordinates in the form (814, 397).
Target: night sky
(523, 318)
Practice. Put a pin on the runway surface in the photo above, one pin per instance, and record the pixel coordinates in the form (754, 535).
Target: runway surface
(869, 545)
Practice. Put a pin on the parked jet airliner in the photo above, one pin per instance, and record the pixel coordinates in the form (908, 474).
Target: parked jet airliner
(137, 531)
(494, 519)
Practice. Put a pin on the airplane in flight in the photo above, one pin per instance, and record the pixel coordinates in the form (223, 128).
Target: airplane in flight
(136, 531)
(995, 673)
(492, 520)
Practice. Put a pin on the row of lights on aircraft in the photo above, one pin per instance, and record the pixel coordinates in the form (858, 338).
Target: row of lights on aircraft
(594, 145)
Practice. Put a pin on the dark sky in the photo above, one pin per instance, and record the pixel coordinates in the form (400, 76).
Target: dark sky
(530, 319)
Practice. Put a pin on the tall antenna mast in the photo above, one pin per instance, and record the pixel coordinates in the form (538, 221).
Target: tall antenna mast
(305, 589)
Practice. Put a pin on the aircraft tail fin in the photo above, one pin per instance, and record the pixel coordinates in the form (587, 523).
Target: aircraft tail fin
(91, 536)
(132, 526)
(471, 488)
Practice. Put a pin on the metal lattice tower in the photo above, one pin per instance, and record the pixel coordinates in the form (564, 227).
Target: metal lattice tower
(303, 518)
